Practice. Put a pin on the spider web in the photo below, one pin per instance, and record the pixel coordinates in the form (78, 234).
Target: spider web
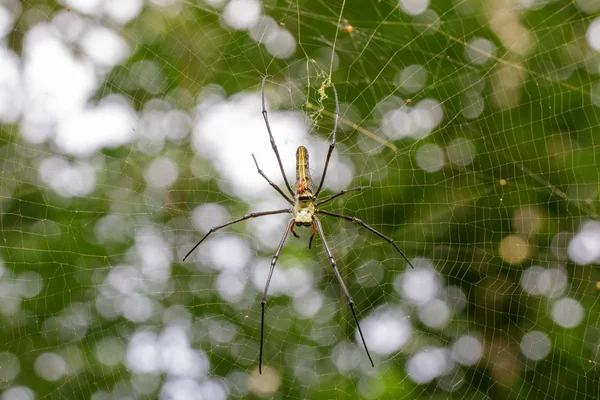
(127, 133)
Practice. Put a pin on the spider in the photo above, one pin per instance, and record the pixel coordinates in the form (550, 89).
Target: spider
(304, 208)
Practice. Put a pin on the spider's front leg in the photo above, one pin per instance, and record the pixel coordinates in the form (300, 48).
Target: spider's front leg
(293, 232)
(368, 227)
(314, 232)
(273, 185)
(235, 221)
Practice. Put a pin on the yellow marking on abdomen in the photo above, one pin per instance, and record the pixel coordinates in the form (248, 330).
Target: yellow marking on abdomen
(302, 170)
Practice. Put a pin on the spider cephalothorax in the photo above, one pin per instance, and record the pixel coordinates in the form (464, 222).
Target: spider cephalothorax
(304, 210)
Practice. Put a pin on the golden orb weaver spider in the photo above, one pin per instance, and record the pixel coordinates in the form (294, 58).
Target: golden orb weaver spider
(304, 210)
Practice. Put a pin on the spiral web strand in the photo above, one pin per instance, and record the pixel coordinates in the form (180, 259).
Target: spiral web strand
(128, 130)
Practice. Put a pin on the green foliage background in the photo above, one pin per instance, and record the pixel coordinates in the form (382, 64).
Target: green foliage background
(540, 150)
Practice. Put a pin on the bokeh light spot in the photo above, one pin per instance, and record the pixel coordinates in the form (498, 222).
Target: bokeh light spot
(414, 7)
(461, 152)
(10, 367)
(535, 345)
(266, 383)
(50, 366)
(513, 249)
(385, 331)
(567, 312)
(428, 364)
(412, 78)
(242, 14)
(593, 34)
(467, 350)
(430, 157)
(479, 51)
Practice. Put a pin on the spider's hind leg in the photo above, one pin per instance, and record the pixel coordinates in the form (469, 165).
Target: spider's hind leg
(314, 232)
(317, 223)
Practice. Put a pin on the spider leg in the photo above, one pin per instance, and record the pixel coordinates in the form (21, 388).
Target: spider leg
(273, 145)
(339, 277)
(332, 145)
(273, 185)
(343, 192)
(314, 232)
(294, 233)
(245, 217)
(264, 298)
(358, 221)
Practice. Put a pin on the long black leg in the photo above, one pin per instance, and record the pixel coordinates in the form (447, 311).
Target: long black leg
(332, 145)
(314, 232)
(273, 145)
(343, 192)
(339, 277)
(264, 298)
(358, 221)
(245, 217)
(273, 185)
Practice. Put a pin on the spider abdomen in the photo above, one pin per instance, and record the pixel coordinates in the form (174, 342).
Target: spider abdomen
(303, 171)
(304, 207)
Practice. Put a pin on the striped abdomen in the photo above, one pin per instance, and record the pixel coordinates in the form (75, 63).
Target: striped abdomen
(302, 171)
